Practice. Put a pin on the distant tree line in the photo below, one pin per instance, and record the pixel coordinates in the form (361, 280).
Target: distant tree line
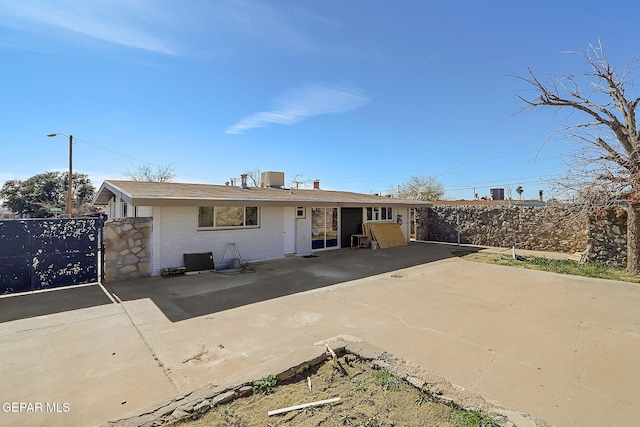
(45, 195)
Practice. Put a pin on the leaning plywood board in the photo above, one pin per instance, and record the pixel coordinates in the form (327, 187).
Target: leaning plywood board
(388, 235)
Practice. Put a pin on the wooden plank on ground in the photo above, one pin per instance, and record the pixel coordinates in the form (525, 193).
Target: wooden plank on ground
(387, 234)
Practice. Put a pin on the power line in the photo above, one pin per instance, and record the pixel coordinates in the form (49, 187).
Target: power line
(133, 158)
(497, 145)
(511, 183)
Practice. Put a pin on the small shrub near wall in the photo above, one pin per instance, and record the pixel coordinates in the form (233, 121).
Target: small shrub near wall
(127, 250)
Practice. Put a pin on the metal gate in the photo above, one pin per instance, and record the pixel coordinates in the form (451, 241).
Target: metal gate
(48, 253)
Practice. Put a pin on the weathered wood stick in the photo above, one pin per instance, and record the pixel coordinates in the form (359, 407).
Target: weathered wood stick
(304, 405)
(333, 355)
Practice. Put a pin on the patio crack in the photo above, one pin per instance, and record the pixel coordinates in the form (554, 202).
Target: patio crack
(302, 326)
(575, 341)
(149, 347)
(484, 370)
(423, 328)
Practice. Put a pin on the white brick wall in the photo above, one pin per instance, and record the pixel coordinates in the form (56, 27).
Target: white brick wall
(303, 235)
(144, 211)
(406, 221)
(175, 233)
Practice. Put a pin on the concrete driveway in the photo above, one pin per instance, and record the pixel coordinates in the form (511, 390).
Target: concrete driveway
(560, 347)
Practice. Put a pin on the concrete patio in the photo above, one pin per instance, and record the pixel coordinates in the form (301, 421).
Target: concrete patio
(562, 348)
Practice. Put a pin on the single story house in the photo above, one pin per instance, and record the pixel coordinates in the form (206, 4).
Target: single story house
(266, 222)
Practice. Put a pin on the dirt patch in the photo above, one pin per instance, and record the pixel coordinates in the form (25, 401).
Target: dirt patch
(368, 397)
(375, 389)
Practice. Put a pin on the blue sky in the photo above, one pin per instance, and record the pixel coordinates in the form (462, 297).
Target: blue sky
(360, 94)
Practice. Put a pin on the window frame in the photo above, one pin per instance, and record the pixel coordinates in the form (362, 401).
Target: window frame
(213, 225)
(378, 213)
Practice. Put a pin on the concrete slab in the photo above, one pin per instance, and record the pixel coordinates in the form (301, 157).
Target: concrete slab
(76, 368)
(560, 347)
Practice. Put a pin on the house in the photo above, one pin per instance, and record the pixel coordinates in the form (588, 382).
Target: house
(262, 223)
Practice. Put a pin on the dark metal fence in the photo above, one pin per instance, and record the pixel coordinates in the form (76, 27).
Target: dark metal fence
(47, 253)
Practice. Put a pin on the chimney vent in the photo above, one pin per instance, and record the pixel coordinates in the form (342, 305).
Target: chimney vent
(243, 179)
(316, 184)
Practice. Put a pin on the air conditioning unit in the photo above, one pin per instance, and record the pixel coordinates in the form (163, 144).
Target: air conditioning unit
(272, 179)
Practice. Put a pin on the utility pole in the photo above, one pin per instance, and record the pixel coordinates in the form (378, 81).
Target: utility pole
(70, 183)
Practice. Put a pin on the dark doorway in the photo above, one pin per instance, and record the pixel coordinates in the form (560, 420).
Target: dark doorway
(351, 223)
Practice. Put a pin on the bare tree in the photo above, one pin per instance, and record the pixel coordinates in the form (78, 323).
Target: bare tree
(509, 192)
(419, 188)
(604, 168)
(145, 172)
(255, 177)
(297, 182)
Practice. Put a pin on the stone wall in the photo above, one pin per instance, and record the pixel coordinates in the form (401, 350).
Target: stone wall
(505, 226)
(535, 228)
(608, 238)
(127, 248)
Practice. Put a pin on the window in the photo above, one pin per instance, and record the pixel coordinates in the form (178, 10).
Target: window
(227, 216)
(124, 209)
(300, 212)
(384, 213)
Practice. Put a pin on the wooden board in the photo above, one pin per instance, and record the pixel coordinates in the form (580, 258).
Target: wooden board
(387, 234)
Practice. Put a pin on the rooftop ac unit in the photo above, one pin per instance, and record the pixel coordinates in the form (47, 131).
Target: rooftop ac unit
(272, 179)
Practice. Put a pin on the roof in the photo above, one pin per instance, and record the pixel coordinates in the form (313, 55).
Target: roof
(144, 193)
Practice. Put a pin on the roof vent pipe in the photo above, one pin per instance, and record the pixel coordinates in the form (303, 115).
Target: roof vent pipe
(316, 184)
(243, 179)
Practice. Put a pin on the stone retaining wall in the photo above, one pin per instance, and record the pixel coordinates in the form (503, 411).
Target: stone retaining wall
(504, 226)
(534, 228)
(127, 248)
(608, 238)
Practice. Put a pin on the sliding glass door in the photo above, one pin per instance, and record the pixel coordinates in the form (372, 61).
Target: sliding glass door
(324, 228)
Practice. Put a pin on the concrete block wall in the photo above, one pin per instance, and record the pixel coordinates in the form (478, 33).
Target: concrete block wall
(127, 250)
(177, 233)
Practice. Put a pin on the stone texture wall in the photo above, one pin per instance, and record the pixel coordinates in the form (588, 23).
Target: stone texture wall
(127, 248)
(608, 238)
(535, 228)
(505, 226)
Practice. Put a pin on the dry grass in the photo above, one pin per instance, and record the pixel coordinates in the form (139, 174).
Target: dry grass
(369, 398)
(595, 269)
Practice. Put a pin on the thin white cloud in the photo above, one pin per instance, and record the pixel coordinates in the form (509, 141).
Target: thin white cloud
(266, 24)
(119, 22)
(301, 103)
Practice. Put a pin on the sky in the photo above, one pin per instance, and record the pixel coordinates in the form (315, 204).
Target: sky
(360, 95)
